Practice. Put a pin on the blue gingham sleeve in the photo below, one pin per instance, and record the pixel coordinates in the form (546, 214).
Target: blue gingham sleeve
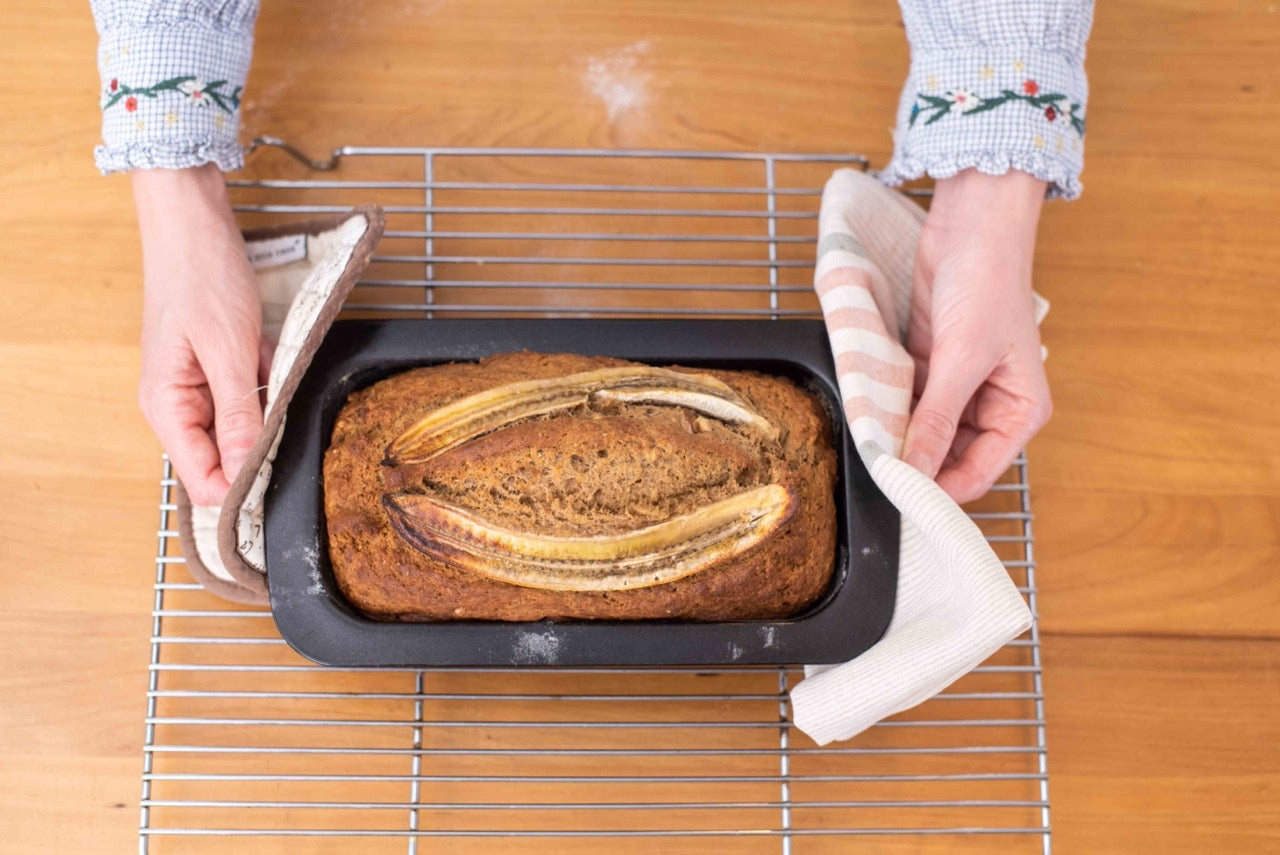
(994, 85)
(173, 74)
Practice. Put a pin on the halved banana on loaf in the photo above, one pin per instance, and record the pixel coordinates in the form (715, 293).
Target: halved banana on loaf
(475, 415)
(653, 555)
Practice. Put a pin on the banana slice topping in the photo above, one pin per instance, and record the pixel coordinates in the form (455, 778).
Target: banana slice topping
(652, 555)
(484, 412)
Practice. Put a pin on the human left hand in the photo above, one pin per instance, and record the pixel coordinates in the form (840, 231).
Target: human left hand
(203, 356)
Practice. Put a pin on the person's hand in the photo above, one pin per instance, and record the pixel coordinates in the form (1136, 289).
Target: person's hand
(201, 328)
(979, 374)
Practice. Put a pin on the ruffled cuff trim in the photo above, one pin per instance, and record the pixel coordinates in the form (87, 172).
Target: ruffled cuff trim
(169, 154)
(1063, 179)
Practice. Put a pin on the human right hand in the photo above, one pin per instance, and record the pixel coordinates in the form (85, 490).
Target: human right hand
(203, 358)
(979, 373)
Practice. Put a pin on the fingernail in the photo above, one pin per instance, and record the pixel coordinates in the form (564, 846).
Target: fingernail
(920, 461)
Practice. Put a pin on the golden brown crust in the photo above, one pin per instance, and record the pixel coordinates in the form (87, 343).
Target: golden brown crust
(590, 471)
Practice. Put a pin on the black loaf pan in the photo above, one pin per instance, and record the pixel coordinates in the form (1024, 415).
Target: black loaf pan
(316, 620)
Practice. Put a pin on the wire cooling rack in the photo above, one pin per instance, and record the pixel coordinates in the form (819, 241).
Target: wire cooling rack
(249, 745)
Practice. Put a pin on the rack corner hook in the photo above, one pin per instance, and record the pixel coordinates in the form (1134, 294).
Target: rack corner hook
(297, 154)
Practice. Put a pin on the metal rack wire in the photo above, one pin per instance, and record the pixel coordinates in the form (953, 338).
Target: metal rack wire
(245, 741)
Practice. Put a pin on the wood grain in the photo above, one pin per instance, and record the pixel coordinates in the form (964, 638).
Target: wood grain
(1163, 745)
(1156, 484)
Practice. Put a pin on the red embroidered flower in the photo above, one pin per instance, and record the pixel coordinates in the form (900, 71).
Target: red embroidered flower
(131, 103)
(1050, 113)
(115, 84)
(1030, 87)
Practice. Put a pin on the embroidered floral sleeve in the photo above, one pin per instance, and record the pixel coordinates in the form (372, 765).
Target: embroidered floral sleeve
(172, 76)
(994, 85)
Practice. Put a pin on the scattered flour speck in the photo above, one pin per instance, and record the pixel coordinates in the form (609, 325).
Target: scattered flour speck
(769, 635)
(536, 648)
(615, 79)
(311, 557)
(317, 584)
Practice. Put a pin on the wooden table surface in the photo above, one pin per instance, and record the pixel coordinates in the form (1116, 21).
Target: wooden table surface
(1156, 486)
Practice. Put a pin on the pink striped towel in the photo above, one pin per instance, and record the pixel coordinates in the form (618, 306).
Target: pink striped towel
(956, 605)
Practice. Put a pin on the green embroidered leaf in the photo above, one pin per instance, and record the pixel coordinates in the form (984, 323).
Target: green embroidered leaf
(985, 105)
(938, 115)
(935, 101)
(171, 83)
(1049, 100)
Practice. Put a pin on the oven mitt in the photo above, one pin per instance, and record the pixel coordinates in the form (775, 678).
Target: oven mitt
(956, 604)
(305, 272)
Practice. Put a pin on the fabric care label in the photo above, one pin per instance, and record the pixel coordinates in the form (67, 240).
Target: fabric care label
(277, 251)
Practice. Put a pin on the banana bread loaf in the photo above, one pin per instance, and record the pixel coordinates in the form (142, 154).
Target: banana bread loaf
(529, 486)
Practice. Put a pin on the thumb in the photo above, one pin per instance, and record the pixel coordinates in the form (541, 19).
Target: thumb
(951, 383)
(237, 415)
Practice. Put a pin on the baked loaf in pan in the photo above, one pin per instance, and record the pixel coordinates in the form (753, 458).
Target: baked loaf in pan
(529, 486)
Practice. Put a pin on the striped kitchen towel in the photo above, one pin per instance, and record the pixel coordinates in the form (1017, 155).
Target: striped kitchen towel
(956, 605)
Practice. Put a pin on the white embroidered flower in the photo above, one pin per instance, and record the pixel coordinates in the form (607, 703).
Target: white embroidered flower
(194, 90)
(963, 99)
